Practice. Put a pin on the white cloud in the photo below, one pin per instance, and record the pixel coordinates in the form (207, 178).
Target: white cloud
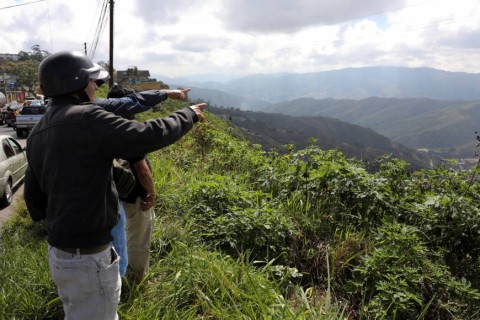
(267, 16)
(181, 37)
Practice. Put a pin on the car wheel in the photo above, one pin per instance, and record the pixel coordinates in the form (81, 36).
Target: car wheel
(20, 133)
(6, 200)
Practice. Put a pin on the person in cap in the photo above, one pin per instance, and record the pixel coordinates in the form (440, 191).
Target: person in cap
(126, 102)
(69, 184)
(138, 208)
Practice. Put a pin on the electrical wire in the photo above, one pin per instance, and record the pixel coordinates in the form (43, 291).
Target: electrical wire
(102, 21)
(99, 30)
(90, 31)
(20, 4)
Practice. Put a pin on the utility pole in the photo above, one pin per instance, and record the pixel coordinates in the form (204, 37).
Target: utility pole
(110, 65)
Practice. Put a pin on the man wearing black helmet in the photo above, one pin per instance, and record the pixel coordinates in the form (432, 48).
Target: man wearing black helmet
(69, 179)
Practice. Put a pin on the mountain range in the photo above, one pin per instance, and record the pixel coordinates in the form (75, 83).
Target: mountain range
(349, 83)
(274, 131)
(421, 108)
(449, 127)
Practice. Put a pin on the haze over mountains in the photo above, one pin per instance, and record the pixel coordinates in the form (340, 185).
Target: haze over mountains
(417, 107)
(350, 83)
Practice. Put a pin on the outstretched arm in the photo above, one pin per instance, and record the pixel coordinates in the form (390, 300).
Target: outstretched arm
(123, 107)
(140, 101)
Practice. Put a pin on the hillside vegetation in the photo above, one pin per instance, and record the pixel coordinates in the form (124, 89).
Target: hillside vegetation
(445, 126)
(274, 130)
(416, 107)
(308, 234)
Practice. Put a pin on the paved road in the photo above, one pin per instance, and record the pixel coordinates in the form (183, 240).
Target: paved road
(18, 192)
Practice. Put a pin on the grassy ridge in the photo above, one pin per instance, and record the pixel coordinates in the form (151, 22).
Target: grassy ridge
(244, 234)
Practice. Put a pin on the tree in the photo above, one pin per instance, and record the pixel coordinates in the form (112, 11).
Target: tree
(35, 54)
(26, 73)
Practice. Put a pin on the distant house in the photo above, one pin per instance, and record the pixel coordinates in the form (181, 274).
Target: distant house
(9, 56)
(132, 76)
(152, 85)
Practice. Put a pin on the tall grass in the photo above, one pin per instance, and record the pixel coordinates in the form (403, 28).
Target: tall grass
(309, 234)
(186, 281)
(26, 291)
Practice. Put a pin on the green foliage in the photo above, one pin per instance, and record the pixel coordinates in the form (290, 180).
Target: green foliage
(236, 221)
(305, 234)
(447, 213)
(26, 290)
(398, 279)
(35, 54)
(102, 91)
(194, 283)
(26, 73)
(326, 190)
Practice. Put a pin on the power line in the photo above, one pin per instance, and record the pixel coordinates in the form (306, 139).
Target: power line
(21, 4)
(90, 31)
(100, 28)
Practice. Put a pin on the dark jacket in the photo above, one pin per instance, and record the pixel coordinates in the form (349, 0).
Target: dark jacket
(138, 190)
(69, 177)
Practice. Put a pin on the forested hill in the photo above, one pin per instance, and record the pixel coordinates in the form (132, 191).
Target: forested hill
(416, 123)
(276, 130)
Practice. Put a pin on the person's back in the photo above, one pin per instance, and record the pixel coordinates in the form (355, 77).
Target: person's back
(69, 184)
(70, 158)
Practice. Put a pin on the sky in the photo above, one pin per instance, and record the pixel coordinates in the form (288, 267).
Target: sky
(175, 38)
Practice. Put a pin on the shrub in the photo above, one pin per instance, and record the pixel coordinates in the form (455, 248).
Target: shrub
(398, 279)
(231, 219)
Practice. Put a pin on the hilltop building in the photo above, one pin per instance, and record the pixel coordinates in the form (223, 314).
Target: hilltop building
(138, 78)
(9, 57)
(132, 76)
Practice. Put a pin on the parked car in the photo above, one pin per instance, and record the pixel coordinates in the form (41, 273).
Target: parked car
(13, 164)
(34, 103)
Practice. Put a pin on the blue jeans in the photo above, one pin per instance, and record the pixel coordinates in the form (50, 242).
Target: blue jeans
(120, 241)
(88, 284)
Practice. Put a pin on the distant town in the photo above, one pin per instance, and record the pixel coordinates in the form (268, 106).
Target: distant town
(15, 91)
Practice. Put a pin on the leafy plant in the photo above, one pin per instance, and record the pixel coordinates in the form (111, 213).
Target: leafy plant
(399, 279)
(231, 219)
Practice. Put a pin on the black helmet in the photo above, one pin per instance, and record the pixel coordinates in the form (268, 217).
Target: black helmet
(67, 72)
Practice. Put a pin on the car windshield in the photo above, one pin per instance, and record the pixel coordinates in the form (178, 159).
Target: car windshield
(33, 110)
(36, 103)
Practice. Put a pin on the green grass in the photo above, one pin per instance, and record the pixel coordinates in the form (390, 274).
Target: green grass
(309, 234)
(186, 281)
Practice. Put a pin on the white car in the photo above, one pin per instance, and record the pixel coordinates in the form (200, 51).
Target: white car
(13, 164)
